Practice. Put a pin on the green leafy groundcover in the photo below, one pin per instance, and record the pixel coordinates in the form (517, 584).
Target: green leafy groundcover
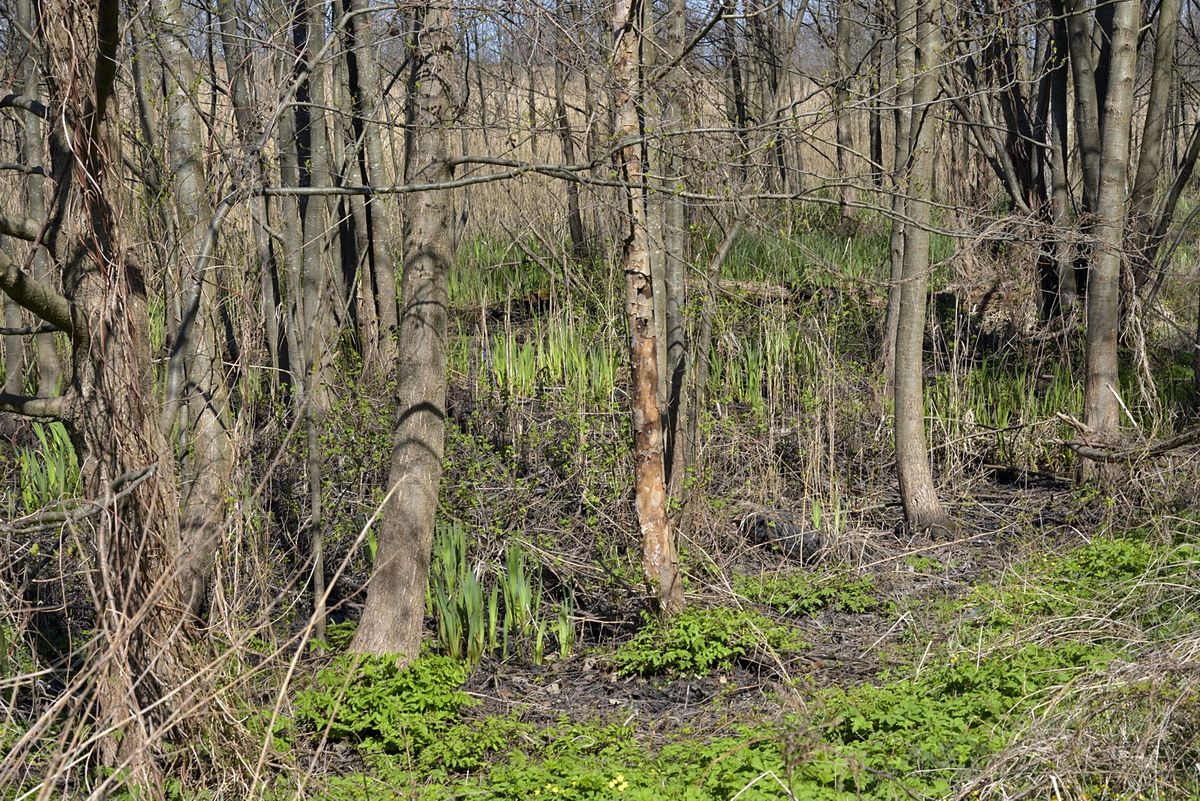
(914, 734)
(700, 640)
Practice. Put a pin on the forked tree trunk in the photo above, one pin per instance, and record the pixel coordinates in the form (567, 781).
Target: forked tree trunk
(1102, 388)
(922, 508)
(395, 607)
(660, 561)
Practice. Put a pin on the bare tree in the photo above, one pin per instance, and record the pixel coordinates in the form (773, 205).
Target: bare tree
(394, 614)
(660, 560)
(1102, 389)
(919, 25)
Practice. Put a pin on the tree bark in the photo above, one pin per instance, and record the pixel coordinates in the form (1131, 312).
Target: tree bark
(906, 53)
(566, 136)
(32, 151)
(206, 425)
(660, 561)
(366, 84)
(1102, 387)
(239, 70)
(394, 612)
(675, 246)
(922, 508)
(841, 97)
(1150, 161)
(139, 652)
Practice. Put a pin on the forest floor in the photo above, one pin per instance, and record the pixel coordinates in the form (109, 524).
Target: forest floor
(1032, 658)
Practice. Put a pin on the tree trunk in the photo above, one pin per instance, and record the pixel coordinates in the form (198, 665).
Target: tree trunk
(139, 654)
(1060, 189)
(238, 68)
(366, 85)
(878, 104)
(675, 246)
(206, 424)
(841, 97)
(1150, 161)
(922, 509)
(1102, 388)
(33, 188)
(906, 52)
(394, 613)
(579, 246)
(660, 562)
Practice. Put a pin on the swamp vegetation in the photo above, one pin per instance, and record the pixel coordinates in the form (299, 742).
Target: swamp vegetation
(599, 401)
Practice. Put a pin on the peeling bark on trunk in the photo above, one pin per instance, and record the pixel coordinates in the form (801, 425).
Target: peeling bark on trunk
(395, 607)
(660, 561)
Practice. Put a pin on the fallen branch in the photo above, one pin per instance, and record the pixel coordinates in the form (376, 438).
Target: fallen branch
(121, 486)
(1096, 453)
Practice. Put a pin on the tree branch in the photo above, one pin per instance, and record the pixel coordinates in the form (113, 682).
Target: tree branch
(37, 297)
(24, 169)
(28, 330)
(1095, 453)
(37, 408)
(25, 103)
(21, 228)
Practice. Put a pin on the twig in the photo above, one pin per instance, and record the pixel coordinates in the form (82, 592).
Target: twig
(120, 487)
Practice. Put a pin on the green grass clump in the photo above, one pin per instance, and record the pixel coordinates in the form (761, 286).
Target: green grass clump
(475, 615)
(700, 640)
(386, 706)
(799, 593)
(49, 471)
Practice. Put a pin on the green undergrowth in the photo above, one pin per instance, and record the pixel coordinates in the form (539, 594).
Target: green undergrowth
(382, 705)
(917, 730)
(916, 733)
(1110, 591)
(700, 640)
(798, 593)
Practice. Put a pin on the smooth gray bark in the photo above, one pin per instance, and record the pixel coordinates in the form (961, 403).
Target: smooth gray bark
(394, 614)
(1102, 387)
(922, 507)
